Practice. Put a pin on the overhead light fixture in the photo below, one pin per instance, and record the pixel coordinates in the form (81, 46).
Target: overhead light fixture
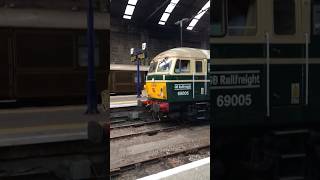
(196, 18)
(144, 46)
(170, 8)
(165, 16)
(130, 9)
(132, 2)
(126, 17)
(193, 22)
(189, 28)
(162, 23)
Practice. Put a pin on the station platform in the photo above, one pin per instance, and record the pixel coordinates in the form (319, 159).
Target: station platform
(197, 170)
(34, 125)
(119, 101)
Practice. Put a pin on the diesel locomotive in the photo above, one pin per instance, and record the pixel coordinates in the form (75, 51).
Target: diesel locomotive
(177, 84)
(265, 95)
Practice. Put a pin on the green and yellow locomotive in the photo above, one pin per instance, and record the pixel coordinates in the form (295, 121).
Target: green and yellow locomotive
(177, 84)
(265, 92)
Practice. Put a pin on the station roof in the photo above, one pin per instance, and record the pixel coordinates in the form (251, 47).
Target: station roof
(147, 13)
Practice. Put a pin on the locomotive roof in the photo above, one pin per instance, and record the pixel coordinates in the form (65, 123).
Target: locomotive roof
(127, 67)
(184, 52)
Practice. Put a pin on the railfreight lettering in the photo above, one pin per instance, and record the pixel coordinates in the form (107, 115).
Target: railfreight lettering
(235, 79)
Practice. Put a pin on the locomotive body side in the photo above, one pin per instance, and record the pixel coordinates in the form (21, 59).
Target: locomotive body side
(177, 80)
(264, 90)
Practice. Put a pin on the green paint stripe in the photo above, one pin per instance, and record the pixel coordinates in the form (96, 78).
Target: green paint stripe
(179, 81)
(176, 77)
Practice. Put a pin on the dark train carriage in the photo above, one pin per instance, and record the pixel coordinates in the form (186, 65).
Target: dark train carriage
(264, 88)
(123, 78)
(46, 57)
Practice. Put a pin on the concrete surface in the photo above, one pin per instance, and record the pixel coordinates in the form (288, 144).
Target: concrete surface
(123, 101)
(198, 170)
(141, 148)
(34, 125)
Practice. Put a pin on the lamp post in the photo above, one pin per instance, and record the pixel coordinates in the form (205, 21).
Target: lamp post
(180, 22)
(91, 82)
(137, 55)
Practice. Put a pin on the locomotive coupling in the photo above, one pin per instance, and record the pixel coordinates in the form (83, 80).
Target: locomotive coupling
(160, 107)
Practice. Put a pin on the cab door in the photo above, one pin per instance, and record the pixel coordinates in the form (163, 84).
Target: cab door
(6, 70)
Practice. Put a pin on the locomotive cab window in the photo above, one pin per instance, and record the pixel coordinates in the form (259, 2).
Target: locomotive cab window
(316, 18)
(242, 17)
(164, 65)
(153, 67)
(217, 18)
(182, 66)
(199, 67)
(284, 17)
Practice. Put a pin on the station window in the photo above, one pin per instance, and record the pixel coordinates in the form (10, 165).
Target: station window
(316, 18)
(284, 17)
(198, 66)
(242, 17)
(217, 18)
(83, 52)
(182, 66)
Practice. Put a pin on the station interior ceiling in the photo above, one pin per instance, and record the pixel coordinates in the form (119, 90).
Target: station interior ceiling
(147, 14)
(144, 27)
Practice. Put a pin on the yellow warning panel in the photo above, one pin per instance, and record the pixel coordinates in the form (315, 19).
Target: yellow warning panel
(156, 90)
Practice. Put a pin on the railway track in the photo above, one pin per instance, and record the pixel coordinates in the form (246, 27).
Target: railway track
(134, 161)
(168, 126)
(123, 110)
(123, 114)
(123, 128)
(147, 132)
(129, 166)
(135, 124)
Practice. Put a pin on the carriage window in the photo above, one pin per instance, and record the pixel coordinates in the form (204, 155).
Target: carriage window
(182, 66)
(164, 65)
(198, 66)
(83, 52)
(284, 17)
(50, 49)
(153, 66)
(217, 18)
(316, 18)
(242, 17)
